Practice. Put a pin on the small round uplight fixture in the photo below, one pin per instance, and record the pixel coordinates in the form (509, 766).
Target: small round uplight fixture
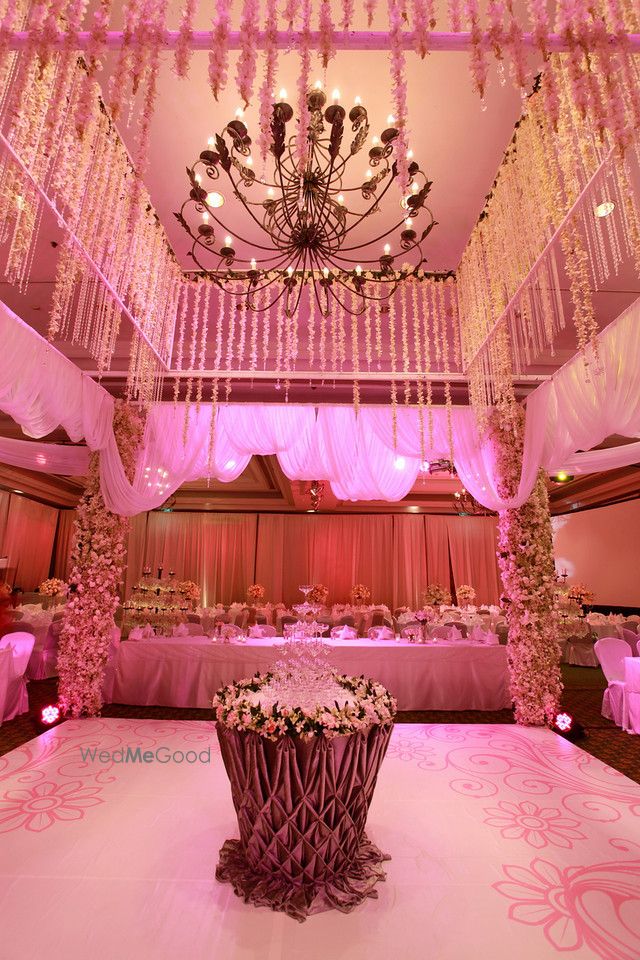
(50, 715)
(215, 200)
(604, 209)
(568, 727)
(564, 722)
(562, 477)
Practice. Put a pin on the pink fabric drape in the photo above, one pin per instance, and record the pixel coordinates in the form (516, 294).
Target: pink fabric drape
(28, 541)
(337, 551)
(216, 550)
(136, 546)
(63, 544)
(472, 549)
(395, 556)
(409, 562)
(437, 549)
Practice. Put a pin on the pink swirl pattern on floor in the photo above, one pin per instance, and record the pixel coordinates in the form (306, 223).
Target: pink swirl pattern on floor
(507, 837)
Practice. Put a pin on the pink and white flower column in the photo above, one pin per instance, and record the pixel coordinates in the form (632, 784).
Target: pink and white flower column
(99, 552)
(527, 569)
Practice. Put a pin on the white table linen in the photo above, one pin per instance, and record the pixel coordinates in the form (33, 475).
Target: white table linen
(186, 671)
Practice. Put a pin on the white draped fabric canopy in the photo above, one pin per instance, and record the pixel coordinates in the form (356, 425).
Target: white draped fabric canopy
(576, 410)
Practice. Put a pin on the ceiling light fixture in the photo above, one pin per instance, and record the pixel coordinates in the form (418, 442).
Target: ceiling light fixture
(308, 229)
(562, 477)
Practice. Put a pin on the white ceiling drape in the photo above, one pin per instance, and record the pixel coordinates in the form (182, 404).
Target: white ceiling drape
(575, 411)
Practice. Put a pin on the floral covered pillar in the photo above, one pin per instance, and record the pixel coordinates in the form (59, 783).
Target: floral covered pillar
(525, 559)
(98, 557)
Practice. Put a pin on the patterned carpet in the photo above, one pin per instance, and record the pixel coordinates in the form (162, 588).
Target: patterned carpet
(582, 699)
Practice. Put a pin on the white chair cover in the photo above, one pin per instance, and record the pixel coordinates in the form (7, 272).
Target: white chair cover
(631, 720)
(611, 653)
(43, 661)
(110, 668)
(580, 652)
(17, 698)
(6, 670)
(344, 632)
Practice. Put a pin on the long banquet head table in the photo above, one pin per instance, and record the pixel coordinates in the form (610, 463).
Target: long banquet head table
(187, 671)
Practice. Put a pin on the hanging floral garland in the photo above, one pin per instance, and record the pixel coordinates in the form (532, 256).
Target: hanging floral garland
(98, 558)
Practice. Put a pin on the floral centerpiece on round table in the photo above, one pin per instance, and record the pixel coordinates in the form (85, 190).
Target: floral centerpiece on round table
(256, 594)
(53, 587)
(465, 595)
(360, 595)
(318, 739)
(436, 595)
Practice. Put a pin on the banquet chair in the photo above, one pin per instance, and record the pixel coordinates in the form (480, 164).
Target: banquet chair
(194, 629)
(383, 632)
(503, 633)
(631, 718)
(193, 618)
(22, 626)
(462, 627)
(110, 667)
(17, 614)
(580, 651)
(17, 698)
(377, 618)
(630, 636)
(611, 652)
(266, 630)
(346, 621)
(43, 662)
(6, 670)
(287, 621)
(410, 629)
(440, 632)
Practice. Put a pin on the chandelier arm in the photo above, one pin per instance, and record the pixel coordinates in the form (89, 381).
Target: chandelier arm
(377, 199)
(239, 196)
(353, 313)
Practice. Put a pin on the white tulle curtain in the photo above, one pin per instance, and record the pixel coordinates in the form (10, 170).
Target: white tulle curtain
(565, 419)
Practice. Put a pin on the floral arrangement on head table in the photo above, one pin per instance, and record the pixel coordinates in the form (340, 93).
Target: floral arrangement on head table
(319, 594)
(256, 594)
(189, 590)
(436, 595)
(360, 595)
(465, 595)
(581, 594)
(53, 587)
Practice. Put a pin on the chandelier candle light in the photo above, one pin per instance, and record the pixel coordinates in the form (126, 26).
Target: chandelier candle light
(304, 210)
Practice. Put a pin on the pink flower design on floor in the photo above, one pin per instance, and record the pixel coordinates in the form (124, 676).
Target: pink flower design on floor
(537, 826)
(597, 906)
(38, 808)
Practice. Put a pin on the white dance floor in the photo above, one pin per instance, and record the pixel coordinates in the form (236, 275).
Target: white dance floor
(505, 843)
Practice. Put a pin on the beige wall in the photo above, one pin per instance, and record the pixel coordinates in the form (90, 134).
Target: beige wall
(601, 548)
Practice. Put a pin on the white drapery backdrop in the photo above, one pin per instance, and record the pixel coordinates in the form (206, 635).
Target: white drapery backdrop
(565, 418)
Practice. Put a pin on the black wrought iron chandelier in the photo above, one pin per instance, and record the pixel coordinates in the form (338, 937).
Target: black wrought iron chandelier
(303, 212)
